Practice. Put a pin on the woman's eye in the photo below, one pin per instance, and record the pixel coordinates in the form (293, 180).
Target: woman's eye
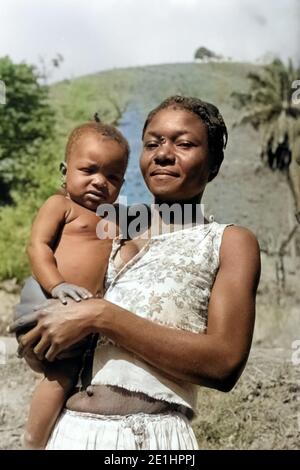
(150, 145)
(185, 144)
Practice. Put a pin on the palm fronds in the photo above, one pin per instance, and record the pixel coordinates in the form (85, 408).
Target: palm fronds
(268, 106)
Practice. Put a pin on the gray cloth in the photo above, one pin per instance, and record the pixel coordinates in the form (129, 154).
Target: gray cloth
(32, 295)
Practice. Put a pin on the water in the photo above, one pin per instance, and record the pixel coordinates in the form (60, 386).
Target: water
(134, 187)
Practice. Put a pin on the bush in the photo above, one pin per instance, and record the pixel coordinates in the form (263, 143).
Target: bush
(16, 219)
(26, 120)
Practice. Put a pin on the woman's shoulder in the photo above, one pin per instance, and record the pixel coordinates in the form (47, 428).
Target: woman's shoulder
(238, 234)
(241, 241)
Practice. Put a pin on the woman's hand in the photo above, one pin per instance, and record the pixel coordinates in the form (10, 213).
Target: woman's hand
(58, 327)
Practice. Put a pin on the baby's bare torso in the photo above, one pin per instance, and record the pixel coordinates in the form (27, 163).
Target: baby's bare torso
(80, 255)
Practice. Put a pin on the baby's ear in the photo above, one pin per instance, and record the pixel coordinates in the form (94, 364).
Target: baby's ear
(63, 168)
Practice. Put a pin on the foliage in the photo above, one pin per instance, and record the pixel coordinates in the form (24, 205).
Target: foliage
(268, 106)
(204, 53)
(73, 102)
(16, 219)
(26, 120)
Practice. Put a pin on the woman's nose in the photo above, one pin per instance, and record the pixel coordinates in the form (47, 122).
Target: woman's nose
(164, 154)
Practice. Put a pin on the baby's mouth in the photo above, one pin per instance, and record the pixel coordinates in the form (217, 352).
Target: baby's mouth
(96, 195)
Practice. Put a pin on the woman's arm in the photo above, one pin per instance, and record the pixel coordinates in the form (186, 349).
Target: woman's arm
(215, 359)
(49, 220)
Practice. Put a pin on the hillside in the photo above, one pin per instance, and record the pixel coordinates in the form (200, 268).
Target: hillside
(245, 192)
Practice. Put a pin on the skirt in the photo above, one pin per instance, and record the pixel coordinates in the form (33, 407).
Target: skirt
(85, 431)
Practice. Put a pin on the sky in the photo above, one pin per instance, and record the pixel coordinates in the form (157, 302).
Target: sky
(96, 35)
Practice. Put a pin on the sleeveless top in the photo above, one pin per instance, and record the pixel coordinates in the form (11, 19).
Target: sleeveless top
(168, 281)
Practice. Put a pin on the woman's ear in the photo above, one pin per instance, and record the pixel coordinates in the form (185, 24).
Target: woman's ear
(63, 168)
(213, 172)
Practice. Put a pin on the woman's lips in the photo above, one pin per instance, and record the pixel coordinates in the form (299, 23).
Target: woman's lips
(164, 174)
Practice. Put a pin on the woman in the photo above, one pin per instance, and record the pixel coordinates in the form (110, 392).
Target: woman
(179, 306)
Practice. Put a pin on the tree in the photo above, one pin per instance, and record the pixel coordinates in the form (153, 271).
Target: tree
(268, 107)
(26, 120)
(203, 53)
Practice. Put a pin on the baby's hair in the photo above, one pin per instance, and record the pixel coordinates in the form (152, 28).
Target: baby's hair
(98, 128)
(209, 114)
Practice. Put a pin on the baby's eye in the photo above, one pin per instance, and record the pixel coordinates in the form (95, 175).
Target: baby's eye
(113, 178)
(87, 170)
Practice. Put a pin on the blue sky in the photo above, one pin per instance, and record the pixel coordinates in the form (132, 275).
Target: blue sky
(95, 35)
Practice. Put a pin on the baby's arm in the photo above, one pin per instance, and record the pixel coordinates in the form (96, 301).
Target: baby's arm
(45, 230)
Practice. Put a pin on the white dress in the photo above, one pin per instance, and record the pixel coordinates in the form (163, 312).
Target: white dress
(169, 282)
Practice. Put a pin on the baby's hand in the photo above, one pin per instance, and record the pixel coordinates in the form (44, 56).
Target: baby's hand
(64, 290)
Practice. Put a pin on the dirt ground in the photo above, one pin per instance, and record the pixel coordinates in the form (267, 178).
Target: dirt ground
(261, 412)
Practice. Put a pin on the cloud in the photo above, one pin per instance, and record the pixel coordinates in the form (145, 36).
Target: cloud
(97, 35)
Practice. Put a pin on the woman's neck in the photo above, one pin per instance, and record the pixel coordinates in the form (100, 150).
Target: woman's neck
(169, 216)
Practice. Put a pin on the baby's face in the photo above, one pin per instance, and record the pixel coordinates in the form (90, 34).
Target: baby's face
(95, 171)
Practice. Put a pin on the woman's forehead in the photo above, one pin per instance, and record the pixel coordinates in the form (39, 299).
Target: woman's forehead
(175, 119)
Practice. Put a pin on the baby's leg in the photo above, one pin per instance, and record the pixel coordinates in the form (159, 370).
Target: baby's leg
(48, 399)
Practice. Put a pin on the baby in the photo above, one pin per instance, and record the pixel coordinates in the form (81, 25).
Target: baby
(66, 256)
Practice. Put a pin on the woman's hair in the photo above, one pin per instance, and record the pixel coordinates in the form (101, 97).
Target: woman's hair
(209, 115)
(107, 130)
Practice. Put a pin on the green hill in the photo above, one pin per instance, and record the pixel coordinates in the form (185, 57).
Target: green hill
(236, 195)
(77, 99)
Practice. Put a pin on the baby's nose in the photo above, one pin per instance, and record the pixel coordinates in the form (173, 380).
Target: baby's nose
(99, 181)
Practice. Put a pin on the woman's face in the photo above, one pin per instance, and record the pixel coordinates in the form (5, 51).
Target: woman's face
(174, 161)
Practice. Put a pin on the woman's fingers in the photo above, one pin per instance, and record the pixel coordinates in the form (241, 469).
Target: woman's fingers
(26, 341)
(41, 347)
(20, 346)
(45, 305)
(52, 353)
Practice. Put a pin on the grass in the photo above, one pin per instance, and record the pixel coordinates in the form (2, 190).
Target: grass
(260, 413)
